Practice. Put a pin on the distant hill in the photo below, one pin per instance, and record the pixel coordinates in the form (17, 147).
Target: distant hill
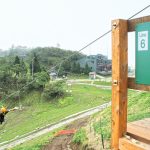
(49, 56)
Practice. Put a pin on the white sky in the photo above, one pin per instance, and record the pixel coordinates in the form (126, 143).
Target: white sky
(71, 23)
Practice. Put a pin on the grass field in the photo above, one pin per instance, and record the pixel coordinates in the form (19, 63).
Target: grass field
(38, 113)
(102, 83)
(138, 108)
(96, 82)
(77, 76)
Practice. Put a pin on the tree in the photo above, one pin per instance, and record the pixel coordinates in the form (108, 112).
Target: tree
(67, 66)
(61, 71)
(87, 69)
(78, 68)
(35, 65)
(23, 68)
(17, 60)
(17, 69)
(50, 56)
(73, 67)
(41, 79)
(16, 66)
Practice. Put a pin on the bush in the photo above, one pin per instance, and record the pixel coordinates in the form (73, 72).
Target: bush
(54, 90)
(38, 83)
(80, 136)
(41, 79)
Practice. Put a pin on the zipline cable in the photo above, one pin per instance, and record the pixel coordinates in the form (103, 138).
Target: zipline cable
(138, 12)
(59, 64)
(109, 31)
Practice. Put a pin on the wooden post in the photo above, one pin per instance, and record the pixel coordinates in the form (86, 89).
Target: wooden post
(119, 80)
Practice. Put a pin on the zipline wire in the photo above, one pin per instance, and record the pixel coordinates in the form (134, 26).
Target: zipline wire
(59, 64)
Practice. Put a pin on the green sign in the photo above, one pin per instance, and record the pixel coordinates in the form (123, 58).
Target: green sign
(142, 69)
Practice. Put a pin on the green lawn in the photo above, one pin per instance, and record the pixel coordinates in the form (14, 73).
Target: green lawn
(102, 83)
(38, 113)
(138, 108)
(77, 76)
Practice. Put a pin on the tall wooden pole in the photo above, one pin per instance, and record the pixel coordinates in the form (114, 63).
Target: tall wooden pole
(119, 80)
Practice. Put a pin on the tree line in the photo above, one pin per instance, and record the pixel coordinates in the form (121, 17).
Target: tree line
(16, 71)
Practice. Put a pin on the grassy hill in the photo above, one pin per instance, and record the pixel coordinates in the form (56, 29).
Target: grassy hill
(138, 108)
(100, 124)
(37, 112)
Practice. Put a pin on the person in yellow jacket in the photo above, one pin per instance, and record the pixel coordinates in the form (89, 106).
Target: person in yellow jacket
(3, 112)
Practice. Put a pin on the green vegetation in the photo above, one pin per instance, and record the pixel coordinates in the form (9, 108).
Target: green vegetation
(80, 136)
(32, 67)
(25, 82)
(77, 76)
(138, 108)
(102, 83)
(16, 74)
(38, 112)
(37, 144)
(138, 105)
(50, 56)
(54, 90)
(103, 126)
(44, 102)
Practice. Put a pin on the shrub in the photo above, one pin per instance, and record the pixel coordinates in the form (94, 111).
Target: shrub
(80, 136)
(54, 90)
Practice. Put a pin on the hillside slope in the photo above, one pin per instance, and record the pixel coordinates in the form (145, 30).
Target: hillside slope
(97, 126)
(138, 108)
(37, 112)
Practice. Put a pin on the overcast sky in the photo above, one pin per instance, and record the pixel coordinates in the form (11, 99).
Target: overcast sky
(71, 23)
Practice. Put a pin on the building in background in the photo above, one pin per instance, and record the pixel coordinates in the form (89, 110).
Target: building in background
(98, 63)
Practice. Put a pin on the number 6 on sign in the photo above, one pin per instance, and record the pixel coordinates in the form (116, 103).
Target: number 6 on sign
(143, 41)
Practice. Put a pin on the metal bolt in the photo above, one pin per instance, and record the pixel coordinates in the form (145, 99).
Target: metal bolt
(115, 82)
(114, 25)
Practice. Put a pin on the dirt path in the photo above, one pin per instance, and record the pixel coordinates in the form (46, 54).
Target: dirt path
(51, 127)
(64, 142)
